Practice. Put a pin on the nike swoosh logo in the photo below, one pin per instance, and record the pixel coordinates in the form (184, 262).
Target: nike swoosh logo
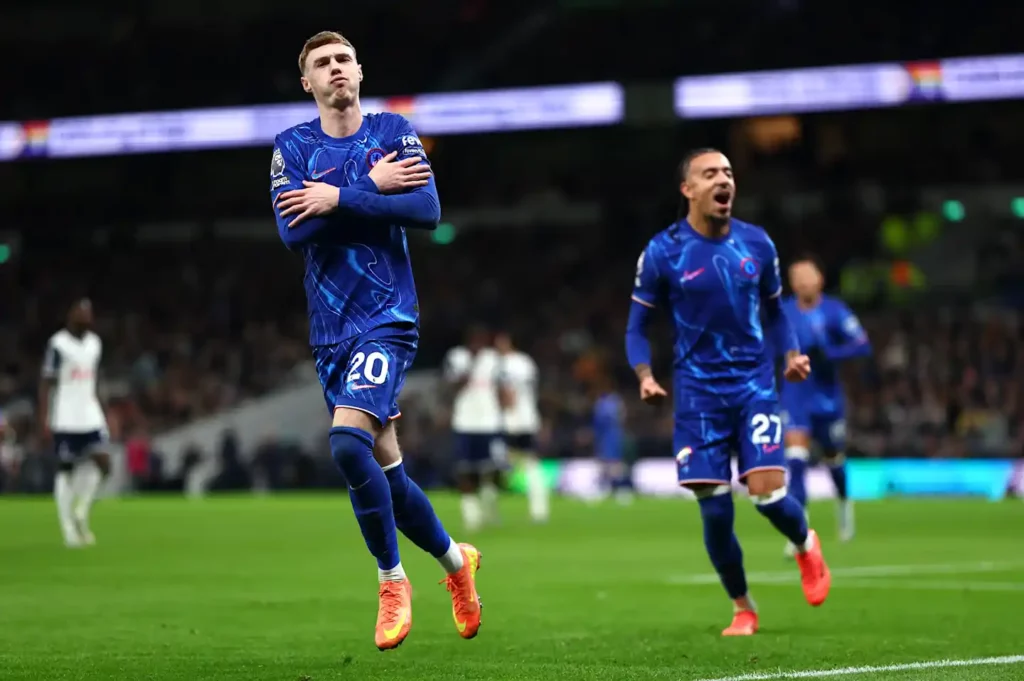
(461, 626)
(687, 276)
(317, 176)
(393, 632)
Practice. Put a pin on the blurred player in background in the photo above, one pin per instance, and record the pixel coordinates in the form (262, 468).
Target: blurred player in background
(814, 410)
(517, 381)
(473, 372)
(609, 437)
(345, 187)
(10, 455)
(71, 418)
(715, 274)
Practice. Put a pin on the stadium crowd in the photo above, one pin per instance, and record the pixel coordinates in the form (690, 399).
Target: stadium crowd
(195, 325)
(188, 334)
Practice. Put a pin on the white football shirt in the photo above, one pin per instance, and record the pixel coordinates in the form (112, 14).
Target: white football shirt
(518, 372)
(73, 363)
(476, 408)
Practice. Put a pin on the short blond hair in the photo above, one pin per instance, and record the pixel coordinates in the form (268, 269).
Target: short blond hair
(319, 40)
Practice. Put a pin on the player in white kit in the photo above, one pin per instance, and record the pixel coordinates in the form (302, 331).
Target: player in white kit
(517, 377)
(71, 417)
(472, 369)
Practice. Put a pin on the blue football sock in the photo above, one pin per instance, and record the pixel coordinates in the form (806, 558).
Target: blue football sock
(785, 513)
(368, 488)
(798, 479)
(838, 472)
(414, 515)
(718, 514)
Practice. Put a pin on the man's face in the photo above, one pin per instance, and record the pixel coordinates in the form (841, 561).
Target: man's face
(709, 185)
(332, 75)
(805, 280)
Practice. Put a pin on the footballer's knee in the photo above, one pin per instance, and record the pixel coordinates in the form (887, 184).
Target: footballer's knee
(346, 417)
(797, 438)
(469, 482)
(715, 502)
(834, 459)
(102, 461)
(765, 483)
(349, 448)
(703, 490)
(386, 450)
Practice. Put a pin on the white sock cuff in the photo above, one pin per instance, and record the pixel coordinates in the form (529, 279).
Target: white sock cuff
(716, 491)
(391, 465)
(395, 574)
(798, 452)
(770, 498)
(451, 561)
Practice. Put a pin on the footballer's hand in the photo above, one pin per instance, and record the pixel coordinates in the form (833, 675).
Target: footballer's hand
(651, 392)
(318, 198)
(395, 177)
(798, 368)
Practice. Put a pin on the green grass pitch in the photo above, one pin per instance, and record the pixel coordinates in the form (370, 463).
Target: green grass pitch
(281, 588)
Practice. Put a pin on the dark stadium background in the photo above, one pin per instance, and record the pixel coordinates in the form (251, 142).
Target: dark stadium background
(201, 308)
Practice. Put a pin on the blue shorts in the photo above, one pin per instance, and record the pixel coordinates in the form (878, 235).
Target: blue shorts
(367, 372)
(828, 430)
(70, 447)
(705, 442)
(480, 450)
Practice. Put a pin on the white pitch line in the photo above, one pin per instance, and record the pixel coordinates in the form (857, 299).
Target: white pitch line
(789, 576)
(850, 671)
(930, 585)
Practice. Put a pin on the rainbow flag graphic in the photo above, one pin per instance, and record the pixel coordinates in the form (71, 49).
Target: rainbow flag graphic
(926, 81)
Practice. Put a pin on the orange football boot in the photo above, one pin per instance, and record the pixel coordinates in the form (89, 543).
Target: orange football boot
(394, 616)
(466, 605)
(814, 574)
(744, 623)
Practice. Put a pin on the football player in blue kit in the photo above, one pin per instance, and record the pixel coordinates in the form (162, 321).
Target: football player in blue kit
(345, 187)
(715, 275)
(814, 411)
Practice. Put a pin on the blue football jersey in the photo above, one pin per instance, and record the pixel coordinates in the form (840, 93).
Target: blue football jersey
(360, 277)
(713, 289)
(829, 333)
(609, 414)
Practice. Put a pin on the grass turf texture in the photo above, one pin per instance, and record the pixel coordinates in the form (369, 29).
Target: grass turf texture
(253, 588)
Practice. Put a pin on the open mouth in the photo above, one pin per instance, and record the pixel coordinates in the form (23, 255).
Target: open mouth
(722, 197)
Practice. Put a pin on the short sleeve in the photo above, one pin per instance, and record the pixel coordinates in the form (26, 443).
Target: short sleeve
(647, 282)
(771, 276)
(406, 142)
(51, 361)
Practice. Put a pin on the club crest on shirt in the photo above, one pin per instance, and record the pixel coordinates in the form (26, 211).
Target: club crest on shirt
(749, 267)
(373, 156)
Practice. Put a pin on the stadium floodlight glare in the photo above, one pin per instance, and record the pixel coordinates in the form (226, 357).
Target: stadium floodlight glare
(443, 113)
(848, 88)
(1017, 207)
(953, 211)
(444, 234)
